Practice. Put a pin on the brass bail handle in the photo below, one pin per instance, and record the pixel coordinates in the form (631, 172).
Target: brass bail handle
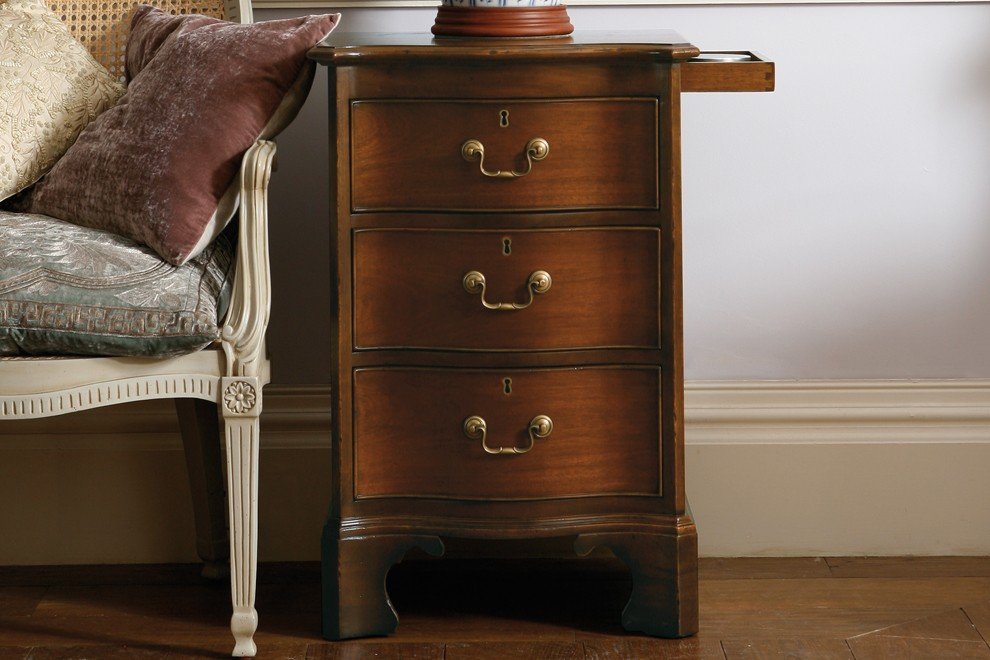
(536, 149)
(538, 282)
(476, 428)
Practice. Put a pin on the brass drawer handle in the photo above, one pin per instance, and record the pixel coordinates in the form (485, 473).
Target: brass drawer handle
(538, 282)
(476, 428)
(536, 149)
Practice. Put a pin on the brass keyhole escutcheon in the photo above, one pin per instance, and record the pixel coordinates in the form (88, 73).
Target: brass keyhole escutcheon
(503, 118)
(507, 386)
(506, 246)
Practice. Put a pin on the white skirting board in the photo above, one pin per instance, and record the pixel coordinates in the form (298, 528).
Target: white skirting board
(781, 468)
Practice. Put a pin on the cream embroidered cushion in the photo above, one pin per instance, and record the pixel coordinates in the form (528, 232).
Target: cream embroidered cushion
(158, 166)
(50, 88)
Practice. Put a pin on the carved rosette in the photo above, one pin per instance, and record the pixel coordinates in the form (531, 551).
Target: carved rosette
(241, 397)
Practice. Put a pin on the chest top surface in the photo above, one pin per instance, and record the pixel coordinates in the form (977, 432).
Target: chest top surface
(353, 48)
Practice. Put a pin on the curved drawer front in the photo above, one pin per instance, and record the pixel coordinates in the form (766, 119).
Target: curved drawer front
(601, 289)
(602, 154)
(410, 437)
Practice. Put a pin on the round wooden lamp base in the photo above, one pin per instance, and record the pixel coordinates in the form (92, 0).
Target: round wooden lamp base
(548, 21)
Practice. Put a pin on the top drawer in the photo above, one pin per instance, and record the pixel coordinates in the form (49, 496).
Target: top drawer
(410, 155)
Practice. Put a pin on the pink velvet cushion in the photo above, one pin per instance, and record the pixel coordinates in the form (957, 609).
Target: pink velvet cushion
(150, 28)
(158, 166)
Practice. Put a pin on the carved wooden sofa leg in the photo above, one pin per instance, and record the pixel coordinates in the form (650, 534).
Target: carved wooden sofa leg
(243, 340)
(240, 405)
(200, 429)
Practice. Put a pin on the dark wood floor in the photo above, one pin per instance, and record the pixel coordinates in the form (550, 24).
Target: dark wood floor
(458, 609)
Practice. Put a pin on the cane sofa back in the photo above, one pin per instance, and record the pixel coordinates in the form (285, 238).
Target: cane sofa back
(102, 25)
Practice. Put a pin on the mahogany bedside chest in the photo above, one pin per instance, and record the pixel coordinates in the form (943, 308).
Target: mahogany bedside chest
(507, 357)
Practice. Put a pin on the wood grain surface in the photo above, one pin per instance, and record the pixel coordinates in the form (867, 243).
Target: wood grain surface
(382, 48)
(409, 437)
(524, 606)
(604, 291)
(909, 566)
(747, 568)
(886, 648)
(818, 649)
(603, 154)
(756, 75)
(414, 354)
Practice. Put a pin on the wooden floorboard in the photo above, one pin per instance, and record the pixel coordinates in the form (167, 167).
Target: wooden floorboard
(810, 647)
(878, 647)
(147, 574)
(514, 650)
(521, 608)
(750, 568)
(952, 625)
(837, 608)
(653, 649)
(14, 652)
(20, 601)
(911, 567)
(360, 651)
(979, 615)
(100, 574)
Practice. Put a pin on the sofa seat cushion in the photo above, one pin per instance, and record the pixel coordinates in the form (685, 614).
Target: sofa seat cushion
(70, 290)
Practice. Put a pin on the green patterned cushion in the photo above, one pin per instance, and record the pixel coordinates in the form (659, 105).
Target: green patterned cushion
(69, 290)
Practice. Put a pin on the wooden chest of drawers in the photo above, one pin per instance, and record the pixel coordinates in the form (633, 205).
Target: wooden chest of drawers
(507, 356)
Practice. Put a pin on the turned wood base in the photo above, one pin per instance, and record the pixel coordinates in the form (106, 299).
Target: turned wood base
(502, 21)
(663, 566)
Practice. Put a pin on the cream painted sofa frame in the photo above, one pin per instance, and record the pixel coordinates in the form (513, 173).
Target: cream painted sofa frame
(229, 374)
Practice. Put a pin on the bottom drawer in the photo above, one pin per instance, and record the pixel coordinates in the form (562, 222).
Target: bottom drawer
(557, 432)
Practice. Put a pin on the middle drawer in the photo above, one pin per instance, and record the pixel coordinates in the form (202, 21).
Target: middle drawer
(508, 290)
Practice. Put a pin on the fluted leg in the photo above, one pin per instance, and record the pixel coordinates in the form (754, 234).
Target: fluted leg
(242, 489)
(241, 399)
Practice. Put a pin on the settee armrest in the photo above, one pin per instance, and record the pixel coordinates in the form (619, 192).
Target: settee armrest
(243, 335)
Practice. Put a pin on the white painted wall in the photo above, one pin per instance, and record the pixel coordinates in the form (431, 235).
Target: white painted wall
(837, 228)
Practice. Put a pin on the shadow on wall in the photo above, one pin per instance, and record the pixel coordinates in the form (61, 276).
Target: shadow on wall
(299, 227)
(299, 207)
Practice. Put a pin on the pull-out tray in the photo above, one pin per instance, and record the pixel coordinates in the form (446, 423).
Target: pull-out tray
(727, 71)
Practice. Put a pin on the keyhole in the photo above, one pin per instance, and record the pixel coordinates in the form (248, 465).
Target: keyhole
(506, 246)
(507, 386)
(503, 118)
